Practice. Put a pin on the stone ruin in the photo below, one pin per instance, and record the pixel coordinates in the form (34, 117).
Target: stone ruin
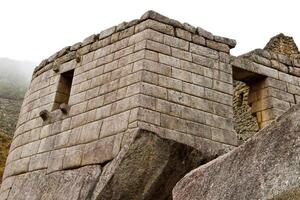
(126, 113)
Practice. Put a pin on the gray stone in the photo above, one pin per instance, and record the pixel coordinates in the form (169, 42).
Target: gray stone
(156, 16)
(147, 168)
(265, 167)
(205, 33)
(230, 42)
(67, 185)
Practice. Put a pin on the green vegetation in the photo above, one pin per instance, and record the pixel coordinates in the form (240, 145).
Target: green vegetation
(5, 142)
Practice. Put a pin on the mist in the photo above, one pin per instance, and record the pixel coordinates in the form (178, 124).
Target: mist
(15, 76)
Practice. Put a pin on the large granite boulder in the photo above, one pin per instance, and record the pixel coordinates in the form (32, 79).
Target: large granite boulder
(265, 167)
(147, 168)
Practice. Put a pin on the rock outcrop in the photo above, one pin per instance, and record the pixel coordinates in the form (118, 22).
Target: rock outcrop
(148, 168)
(265, 167)
(282, 44)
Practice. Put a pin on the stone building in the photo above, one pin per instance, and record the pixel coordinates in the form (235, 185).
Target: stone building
(88, 101)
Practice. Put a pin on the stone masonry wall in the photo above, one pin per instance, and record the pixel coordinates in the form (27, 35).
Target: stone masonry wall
(278, 90)
(245, 124)
(153, 73)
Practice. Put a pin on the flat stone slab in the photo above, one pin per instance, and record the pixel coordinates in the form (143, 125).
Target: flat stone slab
(265, 167)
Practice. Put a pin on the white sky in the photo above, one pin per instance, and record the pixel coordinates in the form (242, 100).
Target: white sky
(35, 29)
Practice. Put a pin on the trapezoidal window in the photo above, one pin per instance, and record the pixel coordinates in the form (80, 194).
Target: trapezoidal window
(64, 88)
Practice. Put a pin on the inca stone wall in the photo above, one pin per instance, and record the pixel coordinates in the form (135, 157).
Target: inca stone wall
(87, 102)
(273, 79)
(153, 74)
(245, 124)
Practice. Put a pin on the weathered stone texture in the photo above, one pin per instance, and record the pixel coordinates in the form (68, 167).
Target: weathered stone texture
(152, 74)
(282, 44)
(245, 124)
(147, 169)
(265, 167)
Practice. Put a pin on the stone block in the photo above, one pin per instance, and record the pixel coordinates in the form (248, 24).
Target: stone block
(222, 76)
(199, 130)
(55, 160)
(158, 47)
(150, 77)
(218, 121)
(75, 99)
(95, 103)
(176, 42)
(179, 97)
(39, 161)
(73, 157)
(130, 79)
(125, 104)
(194, 115)
(110, 127)
(169, 108)
(104, 60)
(155, 25)
(218, 46)
(119, 45)
(90, 132)
(223, 136)
(62, 140)
(204, 51)
(193, 89)
(155, 16)
(78, 120)
(183, 55)
(149, 116)
(182, 75)
(202, 80)
(223, 110)
(100, 80)
(126, 33)
(21, 165)
(74, 137)
(45, 131)
(153, 90)
(197, 39)
(223, 87)
(147, 101)
(183, 34)
(78, 108)
(98, 152)
(204, 61)
(104, 51)
(47, 144)
(230, 42)
(154, 35)
(171, 83)
(30, 149)
(201, 104)
(91, 93)
(200, 31)
(103, 112)
(107, 32)
(173, 123)
(218, 96)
